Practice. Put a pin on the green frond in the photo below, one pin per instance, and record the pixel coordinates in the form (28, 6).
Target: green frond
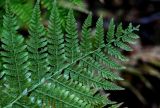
(123, 46)
(59, 70)
(72, 45)
(37, 46)
(119, 30)
(78, 89)
(14, 58)
(58, 97)
(113, 51)
(99, 35)
(129, 35)
(105, 73)
(86, 44)
(118, 40)
(92, 80)
(111, 31)
(107, 61)
(55, 41)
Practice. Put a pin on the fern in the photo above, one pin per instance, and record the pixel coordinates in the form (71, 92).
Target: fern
(57, 69)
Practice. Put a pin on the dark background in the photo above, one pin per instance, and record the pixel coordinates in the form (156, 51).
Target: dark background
(142, 79)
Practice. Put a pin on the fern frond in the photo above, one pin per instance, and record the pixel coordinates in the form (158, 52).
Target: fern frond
(37, 46)
(14, 57)
(86, 44)
(115, 38)
(123, 46)
(72, 45)
(95, 81)
(129, 36)
(113, 51)
(55, 41)
(52, 94)
(111, 31)
(107, 61)
(118, 42)
(106, 73)
(70, 76)
(99, 35)
(119, 31)
(78, 89)
(123, 38)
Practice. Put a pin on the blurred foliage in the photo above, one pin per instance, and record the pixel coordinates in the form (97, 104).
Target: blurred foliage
(144, 65)
(23, 9)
